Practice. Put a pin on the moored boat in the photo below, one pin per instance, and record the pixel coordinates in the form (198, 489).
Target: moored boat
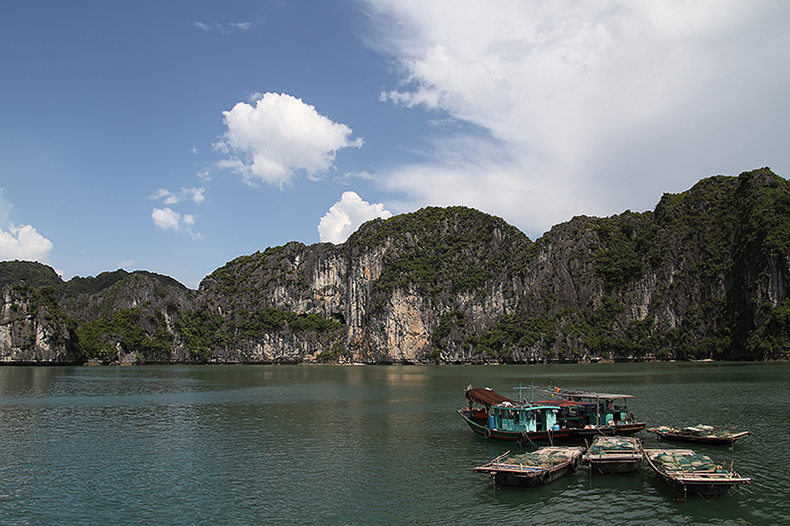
(614, 454)
(494, 416)
(589, 414)
(532, 469)
(699, 434)
(692, 473)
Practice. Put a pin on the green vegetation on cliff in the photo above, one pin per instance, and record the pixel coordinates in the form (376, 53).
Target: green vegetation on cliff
(442, 250)
(123, 332)
(28, 273)
(204, 332)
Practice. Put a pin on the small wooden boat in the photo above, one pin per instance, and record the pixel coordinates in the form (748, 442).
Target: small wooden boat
(691, 473)
(532, 469)
(614, 454)
(699, 434)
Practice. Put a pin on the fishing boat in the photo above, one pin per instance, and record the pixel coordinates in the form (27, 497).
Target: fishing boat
(532, 469)
(692, 473)
(614, 454)
(566, 416)
(699, 434)
(590, 414)
(494, 416)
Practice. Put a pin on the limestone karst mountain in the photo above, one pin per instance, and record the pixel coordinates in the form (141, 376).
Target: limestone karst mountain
(703, 275)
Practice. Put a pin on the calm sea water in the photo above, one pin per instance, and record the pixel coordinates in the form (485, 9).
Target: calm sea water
(356, 445)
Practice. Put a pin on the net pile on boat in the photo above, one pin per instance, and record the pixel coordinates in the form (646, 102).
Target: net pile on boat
(611, 445)
(688, 463)
(541, 459)
(698, 430)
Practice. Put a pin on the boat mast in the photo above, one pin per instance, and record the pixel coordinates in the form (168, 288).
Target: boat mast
(520, 388)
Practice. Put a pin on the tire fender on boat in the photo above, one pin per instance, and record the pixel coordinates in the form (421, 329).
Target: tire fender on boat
(487, 433)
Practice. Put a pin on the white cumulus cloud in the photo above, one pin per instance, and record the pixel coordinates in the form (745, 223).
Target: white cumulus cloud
(278, 137)
(24, 243)
(345, 216)
(166, 219)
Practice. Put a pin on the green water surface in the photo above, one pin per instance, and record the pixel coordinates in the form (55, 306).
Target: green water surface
(357, 445)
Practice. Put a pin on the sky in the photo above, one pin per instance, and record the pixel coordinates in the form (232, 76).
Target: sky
(176, 136)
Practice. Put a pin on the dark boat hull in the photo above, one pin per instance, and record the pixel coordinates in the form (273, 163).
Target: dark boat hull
(610, 455)
(538, 478)
(694, 439)
(526, 476)
(703, 483)
(519, 437)
(612, 467)
(712, 489)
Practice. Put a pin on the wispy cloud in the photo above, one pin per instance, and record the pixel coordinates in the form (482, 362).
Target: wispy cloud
(224, 29)
(196, 195)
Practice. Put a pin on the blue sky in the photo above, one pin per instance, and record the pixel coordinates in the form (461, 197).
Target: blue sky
(175, 136)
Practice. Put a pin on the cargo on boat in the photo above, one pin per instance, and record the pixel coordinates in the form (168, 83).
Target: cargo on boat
(532, 469)
(699, 434)
(692, 473)
(614, 454)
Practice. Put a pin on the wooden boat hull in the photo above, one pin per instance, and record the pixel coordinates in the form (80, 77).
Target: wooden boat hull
(611, 455)
(519, 437)
(705, 484)
(629, 429)
(712, 489)
(526, 476)
(528, 480)
(611, 466)
(715, 440)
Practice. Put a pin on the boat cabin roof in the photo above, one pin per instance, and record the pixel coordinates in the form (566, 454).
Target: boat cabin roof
(587, 394)
(487, 397)
(562, 403)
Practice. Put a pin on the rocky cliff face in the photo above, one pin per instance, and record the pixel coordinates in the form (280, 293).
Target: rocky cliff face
(704, 275)
(31, 329)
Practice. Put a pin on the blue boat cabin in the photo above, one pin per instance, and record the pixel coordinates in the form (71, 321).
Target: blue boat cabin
(522, 418)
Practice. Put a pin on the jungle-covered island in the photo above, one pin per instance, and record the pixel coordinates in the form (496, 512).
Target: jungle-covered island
(702, 276)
